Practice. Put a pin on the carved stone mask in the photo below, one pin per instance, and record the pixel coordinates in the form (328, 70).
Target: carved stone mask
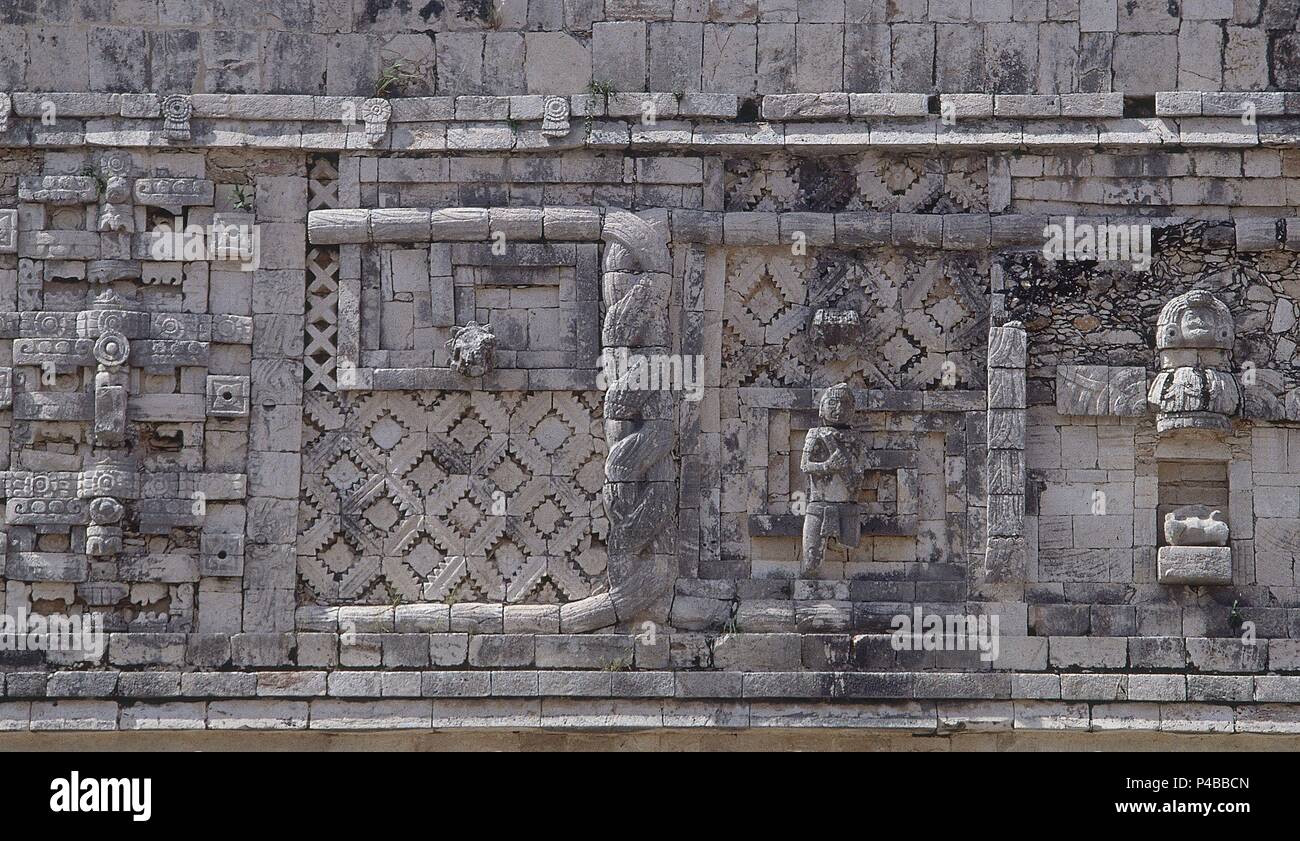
(1195, 320)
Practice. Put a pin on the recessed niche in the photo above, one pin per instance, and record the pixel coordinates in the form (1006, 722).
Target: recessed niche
(1184, 483)
(1193, 549)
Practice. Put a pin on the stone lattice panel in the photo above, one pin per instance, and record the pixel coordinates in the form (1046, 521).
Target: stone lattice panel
(322, 308)
(923, 316)
(451, 496)
(320, 345)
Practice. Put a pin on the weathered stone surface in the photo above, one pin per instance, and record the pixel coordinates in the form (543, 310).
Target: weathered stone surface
(1083, 390)
(379, 474)
(1195, 565)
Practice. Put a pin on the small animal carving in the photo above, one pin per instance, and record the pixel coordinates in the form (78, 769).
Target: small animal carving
(473, 349)
(1196, 525)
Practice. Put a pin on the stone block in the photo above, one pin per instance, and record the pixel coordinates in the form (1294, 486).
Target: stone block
(1195, 565)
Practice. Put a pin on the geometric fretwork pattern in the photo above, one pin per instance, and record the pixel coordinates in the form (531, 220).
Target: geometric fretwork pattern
(868, 181)
(322, 309)
(321, 324)
(451, 496)
(923, 318)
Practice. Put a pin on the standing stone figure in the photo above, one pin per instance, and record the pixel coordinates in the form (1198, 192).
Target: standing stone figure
(831, 467)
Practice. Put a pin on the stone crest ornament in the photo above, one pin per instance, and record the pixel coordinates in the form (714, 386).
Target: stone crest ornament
(473, 349)
(1195, 388)
(176, 111)
(831, 467)
(836, 328)
(555, 116)
(376, 113)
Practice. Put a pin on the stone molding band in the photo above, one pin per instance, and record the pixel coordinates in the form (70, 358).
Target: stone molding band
(702, 121)
(859, 229)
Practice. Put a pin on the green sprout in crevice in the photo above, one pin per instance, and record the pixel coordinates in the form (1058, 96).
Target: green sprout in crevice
(598, 88)
(91, 172)
(396, 77)
(242, 200)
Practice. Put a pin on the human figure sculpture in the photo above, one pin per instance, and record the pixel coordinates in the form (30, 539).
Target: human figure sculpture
(1195, 387)
(832, 471)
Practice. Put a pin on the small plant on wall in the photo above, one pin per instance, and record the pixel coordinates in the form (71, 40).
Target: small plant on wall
(396, 77)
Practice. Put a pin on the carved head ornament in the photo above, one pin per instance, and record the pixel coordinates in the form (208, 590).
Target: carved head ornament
(836, 407)
(1195, 319)
(473, 349)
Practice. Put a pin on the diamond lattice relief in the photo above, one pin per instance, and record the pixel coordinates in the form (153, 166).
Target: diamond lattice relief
(871, 181)
(450, 495)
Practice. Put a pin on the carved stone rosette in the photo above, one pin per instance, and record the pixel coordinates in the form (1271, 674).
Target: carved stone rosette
(555, 116)
(375, 114)
(176, 111)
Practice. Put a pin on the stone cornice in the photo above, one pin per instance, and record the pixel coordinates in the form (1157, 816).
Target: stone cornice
(922, 717)
(695, 121)
(854, 229)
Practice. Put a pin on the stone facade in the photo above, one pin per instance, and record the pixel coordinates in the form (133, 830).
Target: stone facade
(467, 366)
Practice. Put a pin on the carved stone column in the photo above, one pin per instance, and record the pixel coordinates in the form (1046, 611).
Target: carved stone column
(1005, 550)
(640, 485)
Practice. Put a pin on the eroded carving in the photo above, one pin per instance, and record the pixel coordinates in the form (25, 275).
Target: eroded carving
(836, 328)
(8, 230)
(58, 189)
(1196, 525)
(473, 349)
(833, 474)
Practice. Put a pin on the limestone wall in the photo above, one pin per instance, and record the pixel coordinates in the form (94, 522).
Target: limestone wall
(342, 47)
(402, 464)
